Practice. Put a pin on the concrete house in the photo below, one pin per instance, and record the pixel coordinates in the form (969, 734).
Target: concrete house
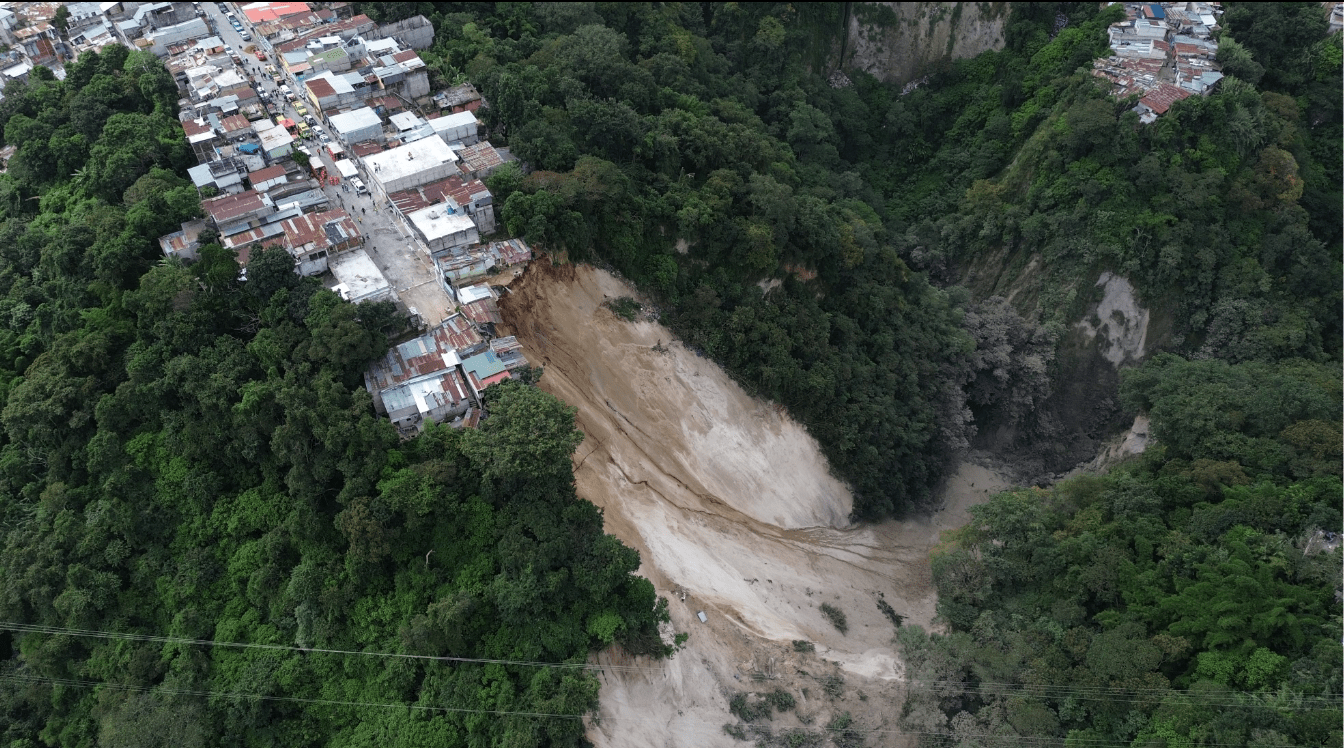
(357, 126)
(408, 166)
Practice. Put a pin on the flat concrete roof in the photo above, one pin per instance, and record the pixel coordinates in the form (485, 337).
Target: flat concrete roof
(435, 222)
(355, 120)
(409, 159)
(358, 273)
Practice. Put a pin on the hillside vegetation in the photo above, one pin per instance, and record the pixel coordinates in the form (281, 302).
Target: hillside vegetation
(185, 455)
(695, 148)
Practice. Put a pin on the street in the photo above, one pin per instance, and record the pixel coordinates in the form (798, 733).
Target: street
(407, 268)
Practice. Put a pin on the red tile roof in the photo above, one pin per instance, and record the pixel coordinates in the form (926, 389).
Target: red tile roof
(405, 55)
(1161, 98)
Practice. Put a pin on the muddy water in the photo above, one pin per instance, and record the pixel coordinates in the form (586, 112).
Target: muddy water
(726, 498)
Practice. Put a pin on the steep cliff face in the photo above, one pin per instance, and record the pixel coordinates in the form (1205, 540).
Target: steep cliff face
(897, 42)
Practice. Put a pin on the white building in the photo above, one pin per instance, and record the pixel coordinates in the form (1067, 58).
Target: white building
(358, 278)
(456, 128)
(443, 230)
(410, 165)
(358, 126)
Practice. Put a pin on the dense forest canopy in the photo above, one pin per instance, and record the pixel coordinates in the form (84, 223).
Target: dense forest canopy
(698, 149)
(190, 456)
(1189, 599)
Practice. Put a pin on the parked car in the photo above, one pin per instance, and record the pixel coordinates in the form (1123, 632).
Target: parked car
(358, 184)
(312, 121)
(246, 37)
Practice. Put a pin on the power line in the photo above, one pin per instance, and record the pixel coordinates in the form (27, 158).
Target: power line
(1109, 694)
(59, 631)
(1019, 739)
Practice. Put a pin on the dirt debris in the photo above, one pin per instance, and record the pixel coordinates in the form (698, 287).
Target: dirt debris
(731, 503)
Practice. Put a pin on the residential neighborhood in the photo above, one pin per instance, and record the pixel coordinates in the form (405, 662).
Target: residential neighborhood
(316, 130)
(1163, 52)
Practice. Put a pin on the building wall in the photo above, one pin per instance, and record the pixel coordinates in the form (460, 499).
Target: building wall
(313, 264)
(414, 179)
(415, 32)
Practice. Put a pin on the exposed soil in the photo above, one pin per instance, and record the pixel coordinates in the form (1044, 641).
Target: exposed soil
(732, 506)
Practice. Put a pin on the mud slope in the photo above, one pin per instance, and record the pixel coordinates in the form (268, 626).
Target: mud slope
(726, 499)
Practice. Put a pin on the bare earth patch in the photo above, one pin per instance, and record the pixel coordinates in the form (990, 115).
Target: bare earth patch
(731, 503)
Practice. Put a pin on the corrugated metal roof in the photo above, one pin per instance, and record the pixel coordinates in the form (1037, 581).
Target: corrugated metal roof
(482, 311)
(483, 365)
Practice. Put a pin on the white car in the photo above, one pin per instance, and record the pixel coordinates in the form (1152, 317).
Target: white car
(358, 184)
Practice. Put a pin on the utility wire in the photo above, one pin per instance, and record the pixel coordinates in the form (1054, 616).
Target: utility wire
(1110, 694)
(989, 737)
(56, 630)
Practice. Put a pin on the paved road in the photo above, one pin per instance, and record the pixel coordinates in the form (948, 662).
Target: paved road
(407, 267)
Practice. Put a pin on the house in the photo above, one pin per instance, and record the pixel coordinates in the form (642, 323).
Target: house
(357, 126)
(161, 39)
(467, 294)
(418, 381)
(276, 142)
(260, 12)
(462, 266)
(479, 161)
(328, 90)
(456, 128)
(459, 98)
(264, 179)
(478, 304)
(311, 238)
(483, 370)
(415, 32)
(471, 197)
(405, 122)
(509, 351)
(202, 138)
(358, 278)
(441, 229)
(245, 207)
(410, 165)
(224, 174)
(1157, 101)
(463, 335)
(184, 243)
(511, 252)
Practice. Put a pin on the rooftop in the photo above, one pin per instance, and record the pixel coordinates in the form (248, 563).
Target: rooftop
(357, 275)
(226, 208)
(462, 334)
(453, 188)
(480, 157)
(453, 121)
(484, 369)
(432, 352)
(313, 232)
(409, 159)
(267, 174)
(358, 119)
(438, 222)
(1161, 98)
(258, 12)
